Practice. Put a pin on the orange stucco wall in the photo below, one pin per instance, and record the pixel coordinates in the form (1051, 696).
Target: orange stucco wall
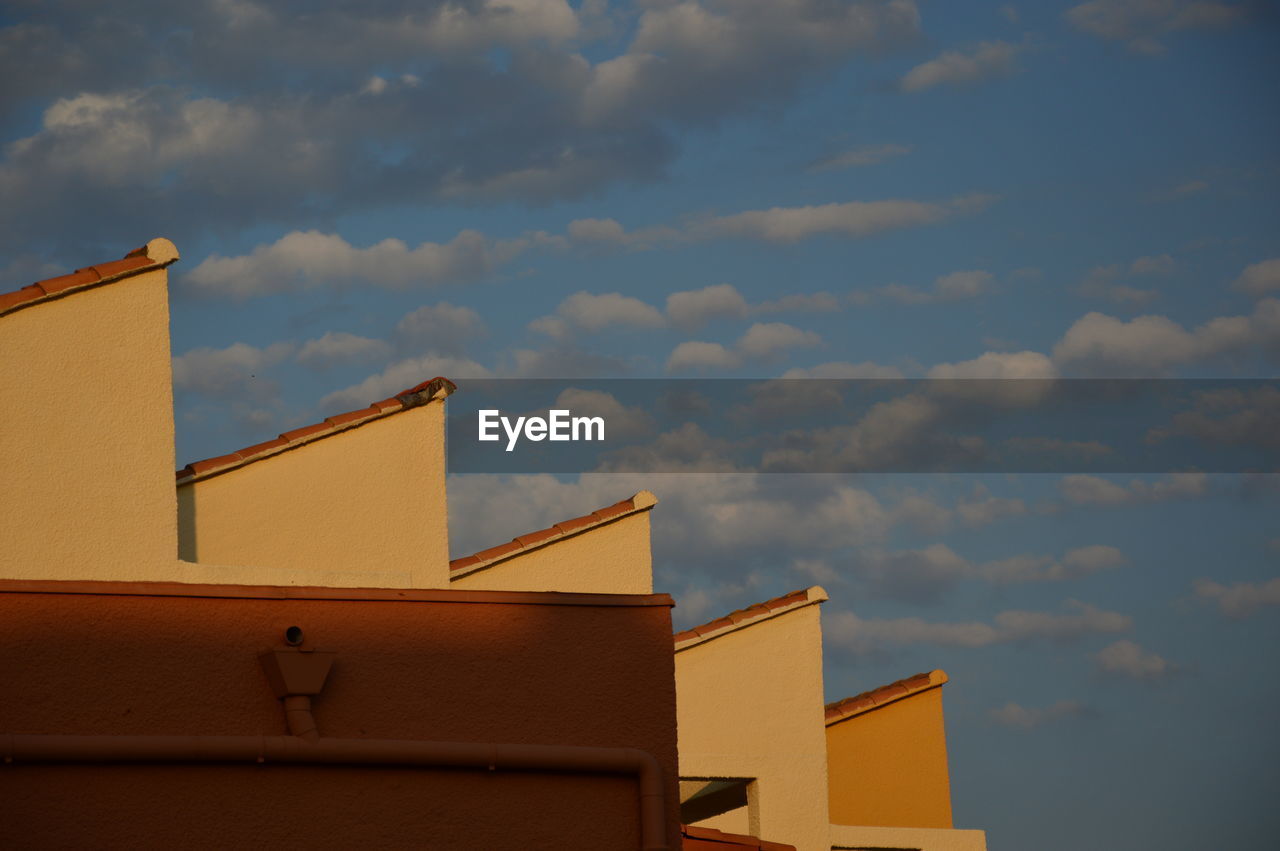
(461, 666)
(888, 766)
(367, 501)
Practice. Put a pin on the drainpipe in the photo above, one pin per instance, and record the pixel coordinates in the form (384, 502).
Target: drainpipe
(298, 675)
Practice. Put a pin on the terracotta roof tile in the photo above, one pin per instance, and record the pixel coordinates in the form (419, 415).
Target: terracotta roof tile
(709, 839)
(460, 567)
(877, 697)
(436, 388)
(156, 254)
(751, 615)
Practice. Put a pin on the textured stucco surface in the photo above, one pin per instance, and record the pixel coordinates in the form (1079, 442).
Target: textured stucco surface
(751, 706)
(612, 558)
(913, 838)
(546, 674)
(367, 500)
(86, 441)
(888, 767)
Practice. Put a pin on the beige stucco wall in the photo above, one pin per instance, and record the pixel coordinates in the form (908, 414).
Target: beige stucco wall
(612, 558)
(888, 766)
(86, 439)
(365, 502)
(907, 838)
(750, 705)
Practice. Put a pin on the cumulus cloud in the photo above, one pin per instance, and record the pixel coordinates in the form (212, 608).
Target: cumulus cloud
(229, 373)
(339, 347)
(1141, 23)
(1016, 715)
(997, 365)
(1260, 278)
(692, 309)
(853, 219)
(862, 156)
(592, 313)
(845, 369)
(439, 328)
(1109, 282)
(867, 635)
(1239, 599)
(1129, 659)
(762, 341)
(1097, 345)
(309, 259)
(985, 61)
(956, 286)
(1083, 489)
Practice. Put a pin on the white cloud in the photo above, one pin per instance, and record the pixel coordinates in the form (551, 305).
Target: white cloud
(339, 347)
(853, 219)
(310, 259)
(1260, 278)
(844, 369)
(1076, 563)
(1015, 715)
(229, 373)
(956, 286)
(1240, 599)
(1082, 489)
(440, 328)
(985, 61)
(997, 365)
(1151, 346)
(592, 313)
(762, 341)
(1141, 23)
(865, 635)
(1129, 659)
(694, 308)
(694, 356)
(863, 156)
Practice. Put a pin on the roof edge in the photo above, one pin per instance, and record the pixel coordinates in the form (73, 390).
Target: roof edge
(750, 616)
(876, 698)
(93, 587)
(521, 544)
(156, 254)
(435, 389)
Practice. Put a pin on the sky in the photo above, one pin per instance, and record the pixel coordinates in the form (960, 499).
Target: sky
(366, 195)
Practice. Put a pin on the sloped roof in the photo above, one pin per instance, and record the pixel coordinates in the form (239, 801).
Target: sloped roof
(421, 394)
(156, 254)
(749, 616)
(459, 567)
(878, 697)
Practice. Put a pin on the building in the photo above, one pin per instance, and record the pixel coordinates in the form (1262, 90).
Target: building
(277, 648)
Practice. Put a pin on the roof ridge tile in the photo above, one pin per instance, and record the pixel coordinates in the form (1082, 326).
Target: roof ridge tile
(156, 254)
(464, 565)
(749, 616)
(883, 695)
(416, 396)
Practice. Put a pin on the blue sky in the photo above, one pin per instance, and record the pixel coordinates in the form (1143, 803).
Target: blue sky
(367, 195)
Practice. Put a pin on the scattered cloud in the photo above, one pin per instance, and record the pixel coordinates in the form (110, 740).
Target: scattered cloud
(1128, 659)
(957, 286)
(592, 313)
(1016, 715)
(398, 376)
(443, 328)
(984, 61)
(1142, 23)
(1260, 278)
(853, 219)
(761, 342)
(845, 369)
(340, 347)
(692, 309)
(234, 372)
(1092, 490)
(1240, 599)
(859, 157)
(1097, 345)
(867, 635)
(1109, 282)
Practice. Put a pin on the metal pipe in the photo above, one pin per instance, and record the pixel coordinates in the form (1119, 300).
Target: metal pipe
(334, 751)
